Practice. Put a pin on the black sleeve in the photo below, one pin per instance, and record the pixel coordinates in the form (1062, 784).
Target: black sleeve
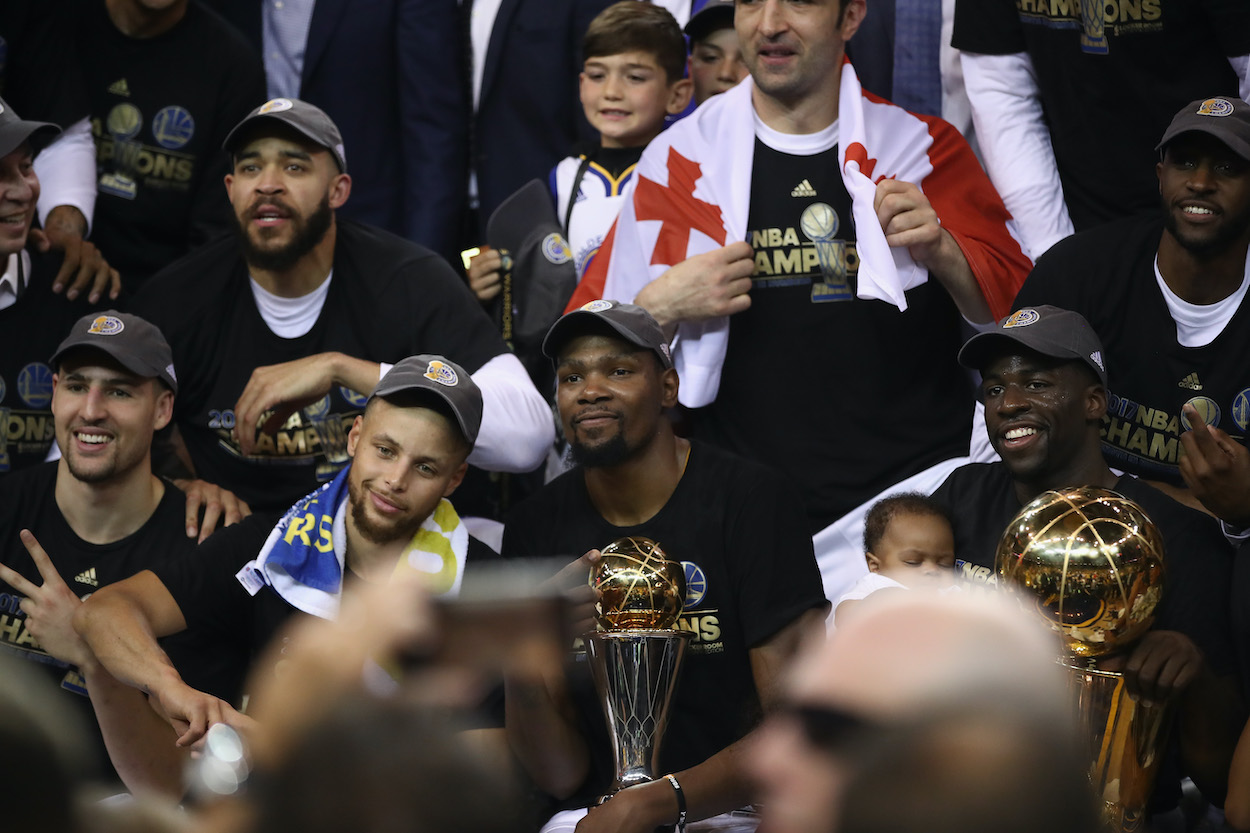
(987, 27)
(771, 561)
(204, 584)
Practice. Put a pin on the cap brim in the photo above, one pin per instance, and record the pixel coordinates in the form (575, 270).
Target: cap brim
(39, 134)
(1238, 146)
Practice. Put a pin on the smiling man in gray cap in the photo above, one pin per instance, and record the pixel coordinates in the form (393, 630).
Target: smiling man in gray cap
(1044, 385)
(385, 515)
(102, 516)
(281, 332)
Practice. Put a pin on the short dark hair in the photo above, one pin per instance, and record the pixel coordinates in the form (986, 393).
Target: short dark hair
(631, 26)
(884, 511)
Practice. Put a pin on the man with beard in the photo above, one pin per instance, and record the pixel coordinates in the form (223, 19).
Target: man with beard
(102, 516)
(1167, 297)
(384, 517)
(1044, 385)
(280, 335)
(736, 527)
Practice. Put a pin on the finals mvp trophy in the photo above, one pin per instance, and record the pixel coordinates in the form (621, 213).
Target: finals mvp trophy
(1090, 562)
(635, 655)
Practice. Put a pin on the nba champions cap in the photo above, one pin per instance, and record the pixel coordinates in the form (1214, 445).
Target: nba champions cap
(132, 342)
(630, 322)
(309, 121)
(1051, 331)
(14, 131)
(443, 378)
(1225, 118)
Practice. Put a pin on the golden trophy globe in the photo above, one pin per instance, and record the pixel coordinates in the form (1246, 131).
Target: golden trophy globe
(635, 655)
(1090, 562)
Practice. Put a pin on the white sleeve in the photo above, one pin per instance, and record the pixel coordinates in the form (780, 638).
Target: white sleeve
(67, 173)
(1241, 66)
(517, 426)
(1015, 144)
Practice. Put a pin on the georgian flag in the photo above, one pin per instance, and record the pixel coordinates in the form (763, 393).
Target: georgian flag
(691, 193)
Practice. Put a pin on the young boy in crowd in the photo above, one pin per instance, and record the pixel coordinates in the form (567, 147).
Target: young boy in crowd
(908, 543)
(716, 64)
(632, 78)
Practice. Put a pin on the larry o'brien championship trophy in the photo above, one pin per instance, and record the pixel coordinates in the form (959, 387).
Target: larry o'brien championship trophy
(635, 654)
(1091, 563)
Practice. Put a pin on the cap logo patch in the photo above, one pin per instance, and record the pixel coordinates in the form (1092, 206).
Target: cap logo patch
(1215, 107)
(1021, 318)
(275, 105)
(598, 306)
(106, 325)
(441, 373)
(1096, 358)
(555, 249)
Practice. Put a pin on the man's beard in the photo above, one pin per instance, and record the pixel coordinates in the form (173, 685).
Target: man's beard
(370, 530)
(1230, 232)
(308, 232)
(613, 452)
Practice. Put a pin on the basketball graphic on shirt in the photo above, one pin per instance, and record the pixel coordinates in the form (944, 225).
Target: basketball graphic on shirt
(1206, 408)
(639, 587)
(1090, 562)
(819, 222)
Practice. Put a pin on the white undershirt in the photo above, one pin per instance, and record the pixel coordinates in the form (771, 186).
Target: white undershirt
(291, 317)
(8, 278)
(1197, 325)
(796, 144)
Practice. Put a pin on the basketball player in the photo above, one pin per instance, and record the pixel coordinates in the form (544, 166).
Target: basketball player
(752, 583)
(1045, 391)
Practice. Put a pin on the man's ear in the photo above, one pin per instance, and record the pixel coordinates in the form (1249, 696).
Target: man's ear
(164, 406)
(456, 480)
(669, 387)
(1095, 402)
(852, 18)
(353, 436)
(340, 190)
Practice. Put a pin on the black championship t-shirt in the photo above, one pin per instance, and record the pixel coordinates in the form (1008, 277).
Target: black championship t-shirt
(216, 607)
(845, 396)
(1198, 564)
(738, 530)
(30, 332)
(29, 502)
(1112, 74)
(160, 110)
(388, 299)
(1108, 276)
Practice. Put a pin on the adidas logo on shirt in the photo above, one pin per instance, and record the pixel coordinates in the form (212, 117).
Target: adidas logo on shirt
(1191, 382)
(87, 577)
(120, 87)
(803, 189)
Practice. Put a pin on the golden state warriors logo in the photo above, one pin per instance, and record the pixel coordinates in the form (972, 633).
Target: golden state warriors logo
(124, 121)
(1207, 410)
(106, 325)
(1240, 412)
(1021, 318)
(439, 372)
(696, 584)
(555, 249)
(598, 306)
(173, 127)
(34, 385)
(275, 105)
(1218, 107)
(353, 398)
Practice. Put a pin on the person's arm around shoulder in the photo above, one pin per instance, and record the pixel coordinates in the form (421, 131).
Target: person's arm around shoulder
(720, 783)
(121, 623)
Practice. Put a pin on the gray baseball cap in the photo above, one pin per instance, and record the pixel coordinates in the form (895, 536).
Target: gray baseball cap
(14, 130)
(1226, 118)
(134, 343)
(445, 379)
(630, 322)
(716, 14)
(1051, 331)
(309, 121)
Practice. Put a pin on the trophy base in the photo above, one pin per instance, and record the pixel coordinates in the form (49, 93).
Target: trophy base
(1126, 743)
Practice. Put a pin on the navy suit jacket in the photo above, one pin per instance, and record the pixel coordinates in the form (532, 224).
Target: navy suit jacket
(529, 116)
(392, 75)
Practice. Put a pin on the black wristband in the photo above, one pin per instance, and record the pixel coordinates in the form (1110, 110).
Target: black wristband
(681, 802)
